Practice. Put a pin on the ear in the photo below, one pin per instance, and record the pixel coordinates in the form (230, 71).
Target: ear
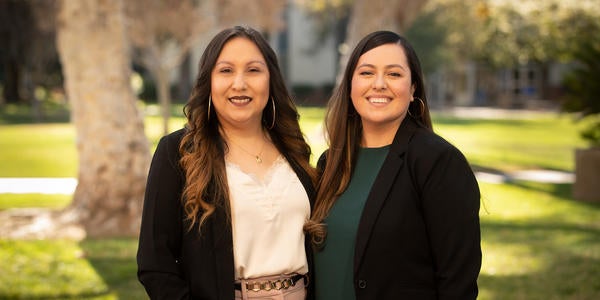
(412, 89)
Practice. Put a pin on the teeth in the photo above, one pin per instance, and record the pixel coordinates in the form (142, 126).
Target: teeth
(239, 100)
(378, 100)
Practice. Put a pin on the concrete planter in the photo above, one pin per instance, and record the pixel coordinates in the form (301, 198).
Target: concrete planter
(587, 175)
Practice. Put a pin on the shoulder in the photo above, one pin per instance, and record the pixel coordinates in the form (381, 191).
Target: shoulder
(428, 151)
(423, 145)
(171, 140)
(173, 137)
(168, 145)
(425, 138)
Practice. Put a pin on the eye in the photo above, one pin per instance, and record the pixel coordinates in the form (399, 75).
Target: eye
(254, 70)
(395, 74)
(365, 73)
(225, 70)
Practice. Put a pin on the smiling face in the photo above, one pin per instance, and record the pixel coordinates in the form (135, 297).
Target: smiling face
(381, 87)
(240, 84)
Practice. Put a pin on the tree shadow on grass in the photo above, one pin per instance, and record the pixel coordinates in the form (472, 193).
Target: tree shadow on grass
(451, 120)
(22, 114)
(565, 259)
(562, 191)
(550, 257)
(47, 269)
(54, 297)
(115, 261)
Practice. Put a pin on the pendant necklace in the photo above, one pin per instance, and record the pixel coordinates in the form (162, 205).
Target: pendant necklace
(256, 156)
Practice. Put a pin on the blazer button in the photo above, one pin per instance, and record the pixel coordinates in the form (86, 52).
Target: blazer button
(362, 284)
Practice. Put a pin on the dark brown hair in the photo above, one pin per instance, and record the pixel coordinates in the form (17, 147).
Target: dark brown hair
(344, 128)
(203, 148)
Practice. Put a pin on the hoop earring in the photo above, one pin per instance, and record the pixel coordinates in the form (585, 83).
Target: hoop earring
(422, 108)
(209, 101)
(273, 122)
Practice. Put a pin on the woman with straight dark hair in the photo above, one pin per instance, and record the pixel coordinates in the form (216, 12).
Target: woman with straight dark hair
(397, 208)
(227, 196)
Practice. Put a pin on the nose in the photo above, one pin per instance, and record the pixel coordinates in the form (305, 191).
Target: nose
(239, 82)
(379, 82)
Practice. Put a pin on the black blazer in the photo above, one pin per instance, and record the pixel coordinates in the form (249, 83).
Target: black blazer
(174, 263)
(419, 236)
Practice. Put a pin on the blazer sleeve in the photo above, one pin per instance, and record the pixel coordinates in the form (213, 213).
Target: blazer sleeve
(161, 230)
(450, 203)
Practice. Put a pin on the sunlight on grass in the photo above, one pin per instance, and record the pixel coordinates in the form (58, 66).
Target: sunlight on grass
(54, 201)
(311, 124)
(40, 150)
(58, 269)
(506, 144)
(153, 126)
(538, 244)
(504, 202)
(47, 269)
(524, 201)
(499, 259)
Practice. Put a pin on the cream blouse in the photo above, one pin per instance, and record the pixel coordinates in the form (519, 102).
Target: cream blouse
(267, 217)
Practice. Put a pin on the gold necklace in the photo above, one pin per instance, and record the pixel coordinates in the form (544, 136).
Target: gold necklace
(256, 156)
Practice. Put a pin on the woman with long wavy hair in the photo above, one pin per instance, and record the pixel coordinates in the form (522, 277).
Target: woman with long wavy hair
(228, 195)
(396, 213)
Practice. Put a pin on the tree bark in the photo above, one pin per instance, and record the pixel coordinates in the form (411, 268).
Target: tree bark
(163, 87)
(113, 149)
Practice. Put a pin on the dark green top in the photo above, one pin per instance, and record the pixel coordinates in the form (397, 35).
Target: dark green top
(334, 264)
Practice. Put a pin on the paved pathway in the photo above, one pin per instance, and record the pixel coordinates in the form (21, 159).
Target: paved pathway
(38, 185)
(548, 176)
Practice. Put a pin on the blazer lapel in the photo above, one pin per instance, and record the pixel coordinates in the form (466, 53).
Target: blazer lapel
(392, 164)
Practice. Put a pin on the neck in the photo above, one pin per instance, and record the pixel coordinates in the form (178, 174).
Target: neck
(246, 142)
(242, 134)
(378, 135)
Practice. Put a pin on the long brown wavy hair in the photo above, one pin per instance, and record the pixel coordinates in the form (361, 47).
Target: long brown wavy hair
(344, 129)
(203, 147)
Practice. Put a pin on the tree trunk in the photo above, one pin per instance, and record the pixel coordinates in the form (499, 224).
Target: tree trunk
(163, 87)
(12, 78)
(113, 149)
(372, 15)
(184, 86)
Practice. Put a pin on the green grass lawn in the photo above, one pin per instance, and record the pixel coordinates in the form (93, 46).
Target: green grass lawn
(538, 243)
(62, 269)
(546, 141)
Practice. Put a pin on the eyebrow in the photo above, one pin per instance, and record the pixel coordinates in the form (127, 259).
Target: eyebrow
(387, 67)
(249, 63)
